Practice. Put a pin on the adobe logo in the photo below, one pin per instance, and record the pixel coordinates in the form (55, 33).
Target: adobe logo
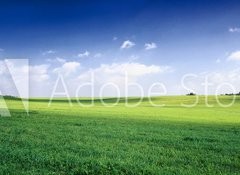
(14, 81)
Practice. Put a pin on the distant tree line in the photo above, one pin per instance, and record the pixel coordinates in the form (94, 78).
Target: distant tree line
(192, 94)
(232, 94)
(9, 96)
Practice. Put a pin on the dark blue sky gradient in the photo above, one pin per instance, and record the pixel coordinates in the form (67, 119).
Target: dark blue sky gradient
(28, 27)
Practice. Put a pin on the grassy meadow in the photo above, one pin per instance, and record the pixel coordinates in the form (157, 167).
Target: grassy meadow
(64, 139)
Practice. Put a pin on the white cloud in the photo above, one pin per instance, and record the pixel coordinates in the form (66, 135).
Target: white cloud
(114, 72)
(234, 30)
(127, 44)
(234, 56)
(16, 66)
(133, 58)
(85, 54)
(16, 77)
(98, 55)
(36, 73)
(214, 82)
(2, 67)
(133, 69)
(39, 73)
(218, 61)
(119, 74)
(60, 60)
(57, 59)
(67, 68)
(149, 46)
(219, 77)
(48, 52)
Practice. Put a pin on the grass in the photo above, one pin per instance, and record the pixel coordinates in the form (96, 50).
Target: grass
(61, 139)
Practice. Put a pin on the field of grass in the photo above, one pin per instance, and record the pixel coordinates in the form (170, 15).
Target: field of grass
(63, 139)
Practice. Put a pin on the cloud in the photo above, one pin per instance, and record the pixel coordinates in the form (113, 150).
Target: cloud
(21, 79)
(2, 67)
(219, 77)
(215, 82)
(15, 77)
(67, 68)
(133, 58)
(36, 73)
(98, 55)
(127, 44)
(115, 38)
(234, 56)
(57, 59)
(133, 69)
(60, 60)
(48, 52)
(39, 73)
(1, 50)
(85, 54)
(218, 61)
(149, 46)
(115, 72)
(234, 30)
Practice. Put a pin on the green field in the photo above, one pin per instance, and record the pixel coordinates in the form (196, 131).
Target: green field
(119, 140)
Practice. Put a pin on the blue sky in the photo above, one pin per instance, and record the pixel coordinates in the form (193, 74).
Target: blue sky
(177, 37)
